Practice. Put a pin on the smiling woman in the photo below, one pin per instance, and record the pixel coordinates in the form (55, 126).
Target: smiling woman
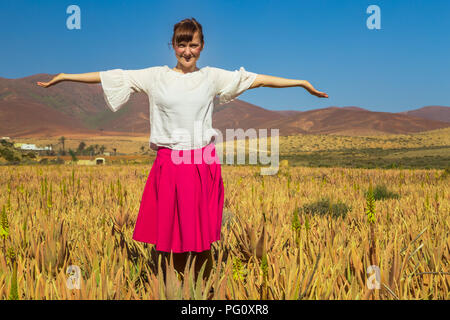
(182, 203)
(187, 42)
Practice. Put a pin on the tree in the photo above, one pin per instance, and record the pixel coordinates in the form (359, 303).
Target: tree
(81, 147)
(62, 139)
(72, 153)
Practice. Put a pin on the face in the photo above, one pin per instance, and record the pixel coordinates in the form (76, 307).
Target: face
(188, 53)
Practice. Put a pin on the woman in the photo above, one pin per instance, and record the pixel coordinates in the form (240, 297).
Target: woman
(181, 206)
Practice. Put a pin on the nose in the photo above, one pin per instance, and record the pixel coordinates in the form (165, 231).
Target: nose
(187, 52)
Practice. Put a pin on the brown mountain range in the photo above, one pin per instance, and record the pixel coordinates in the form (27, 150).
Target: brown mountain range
(74, 109)
(438, 113)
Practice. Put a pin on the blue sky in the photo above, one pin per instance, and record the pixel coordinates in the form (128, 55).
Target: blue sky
(402, 66)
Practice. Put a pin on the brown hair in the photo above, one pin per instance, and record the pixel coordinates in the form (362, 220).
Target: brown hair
(185, 30)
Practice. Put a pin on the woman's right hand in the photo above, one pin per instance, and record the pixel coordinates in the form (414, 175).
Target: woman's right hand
(55, 80)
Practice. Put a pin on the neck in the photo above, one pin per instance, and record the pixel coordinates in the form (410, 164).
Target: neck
(182, 69)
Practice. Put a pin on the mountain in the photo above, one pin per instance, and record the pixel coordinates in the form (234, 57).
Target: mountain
(331, 120)
(438, 113)
(69, 108)
(75, 109)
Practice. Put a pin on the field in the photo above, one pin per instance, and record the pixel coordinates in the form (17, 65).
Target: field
(305, 233)
(425, 150)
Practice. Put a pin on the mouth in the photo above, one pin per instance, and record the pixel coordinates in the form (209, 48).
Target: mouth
(187, 59)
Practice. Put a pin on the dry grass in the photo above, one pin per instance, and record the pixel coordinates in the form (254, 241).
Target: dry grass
(84, 216)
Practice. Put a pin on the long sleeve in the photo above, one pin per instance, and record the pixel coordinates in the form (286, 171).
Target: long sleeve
(230, 84)
(119, 84)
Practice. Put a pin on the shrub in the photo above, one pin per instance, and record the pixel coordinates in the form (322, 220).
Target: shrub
(31, 155)
(324, 206)
(381, 192)
(57, 161)
(73, 155)
(446, 173)
(8, 154)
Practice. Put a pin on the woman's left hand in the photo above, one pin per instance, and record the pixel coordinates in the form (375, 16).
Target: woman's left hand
(320, 94)
(308, 86)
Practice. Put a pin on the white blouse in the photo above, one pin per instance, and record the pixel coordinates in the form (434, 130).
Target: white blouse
(180, 104)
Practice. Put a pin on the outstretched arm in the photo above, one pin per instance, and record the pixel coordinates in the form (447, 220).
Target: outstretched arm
(263, 80)
(90, 77)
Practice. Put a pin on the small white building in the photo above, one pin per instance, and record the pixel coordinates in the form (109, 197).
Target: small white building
(27, 146)
(91, 162)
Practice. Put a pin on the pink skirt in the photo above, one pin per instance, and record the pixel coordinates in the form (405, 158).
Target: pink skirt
(182, 203)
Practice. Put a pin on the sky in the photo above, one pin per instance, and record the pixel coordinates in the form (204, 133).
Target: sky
(403, 65)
